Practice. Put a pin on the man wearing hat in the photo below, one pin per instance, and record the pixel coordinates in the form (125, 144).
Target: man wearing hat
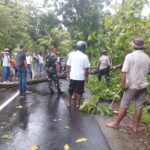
(134, 81)
(103, 67)
(6, 65)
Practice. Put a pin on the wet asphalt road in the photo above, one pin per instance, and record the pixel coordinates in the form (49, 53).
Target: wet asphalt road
(5, 94)
(40, 119)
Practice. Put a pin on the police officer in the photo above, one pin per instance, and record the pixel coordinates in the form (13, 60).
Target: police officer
(103, 67)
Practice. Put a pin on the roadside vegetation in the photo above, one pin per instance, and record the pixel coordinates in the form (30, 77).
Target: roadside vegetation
(104, 97)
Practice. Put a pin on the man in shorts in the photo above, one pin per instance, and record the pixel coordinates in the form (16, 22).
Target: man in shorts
(77, 72)
(134, 81)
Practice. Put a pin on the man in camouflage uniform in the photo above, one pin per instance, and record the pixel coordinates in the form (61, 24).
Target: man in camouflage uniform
(53, 70)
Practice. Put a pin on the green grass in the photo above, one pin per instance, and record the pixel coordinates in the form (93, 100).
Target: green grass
(145, 115)
(100, 91)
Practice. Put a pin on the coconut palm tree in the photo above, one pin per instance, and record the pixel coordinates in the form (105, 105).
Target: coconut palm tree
(56, 37)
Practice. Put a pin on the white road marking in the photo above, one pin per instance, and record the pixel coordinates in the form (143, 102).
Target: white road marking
(9, 100)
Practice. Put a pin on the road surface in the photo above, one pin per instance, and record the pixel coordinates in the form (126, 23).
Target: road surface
(43, 119)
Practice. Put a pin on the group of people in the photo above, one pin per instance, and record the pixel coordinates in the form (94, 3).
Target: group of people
(39, 61)
(9, 64)
(134, 75)
(134, 78)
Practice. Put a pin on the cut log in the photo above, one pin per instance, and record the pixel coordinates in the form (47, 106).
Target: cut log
(29, 82)
(93, 70)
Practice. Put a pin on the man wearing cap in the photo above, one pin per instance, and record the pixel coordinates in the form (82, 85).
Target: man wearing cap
(77, 72)
(6, 65)
(103, 67)
(134, 81)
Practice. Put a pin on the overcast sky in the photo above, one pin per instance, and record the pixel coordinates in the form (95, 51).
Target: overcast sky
(146, 10)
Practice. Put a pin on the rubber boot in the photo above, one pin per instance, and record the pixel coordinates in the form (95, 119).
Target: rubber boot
(59, 91)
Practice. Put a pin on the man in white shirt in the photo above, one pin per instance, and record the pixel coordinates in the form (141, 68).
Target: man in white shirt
(6, 65)
(41, 62)
(71, 51)
(103, 67)
(134, 81)
(29, 64)
(77, 72)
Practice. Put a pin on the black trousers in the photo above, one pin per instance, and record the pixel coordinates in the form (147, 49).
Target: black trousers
(104, 72)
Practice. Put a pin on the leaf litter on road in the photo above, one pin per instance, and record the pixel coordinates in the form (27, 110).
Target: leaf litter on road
(67, 127)
(81, 140)
(19, 107)
(13, 115)
(55, 120)
(6, 136)
(35, 147)
(66, 147)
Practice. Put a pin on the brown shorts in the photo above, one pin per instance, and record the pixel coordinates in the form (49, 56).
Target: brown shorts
(133, 95)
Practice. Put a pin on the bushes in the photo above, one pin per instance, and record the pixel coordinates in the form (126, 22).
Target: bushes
(101, 92)
(92, 106)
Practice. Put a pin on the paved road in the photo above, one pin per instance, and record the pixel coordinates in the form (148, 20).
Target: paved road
(6, 93)
(41, 118)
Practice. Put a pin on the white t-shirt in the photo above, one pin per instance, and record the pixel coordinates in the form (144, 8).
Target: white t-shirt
(136, 65)
(104, 62)
(6, 60)
(70, 54)
(29, 59)
(40, 58)
(78, 61)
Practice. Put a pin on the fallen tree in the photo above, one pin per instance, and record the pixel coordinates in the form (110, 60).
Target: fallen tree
(29, 82)
(93, 70)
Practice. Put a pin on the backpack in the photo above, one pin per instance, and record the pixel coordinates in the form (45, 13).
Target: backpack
(50, 60)
(21, 57)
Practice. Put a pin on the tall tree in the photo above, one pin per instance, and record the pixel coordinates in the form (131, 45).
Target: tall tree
(55, 37)
(81, 17)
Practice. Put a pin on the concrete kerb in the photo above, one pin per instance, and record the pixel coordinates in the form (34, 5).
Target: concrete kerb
(116, 139)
